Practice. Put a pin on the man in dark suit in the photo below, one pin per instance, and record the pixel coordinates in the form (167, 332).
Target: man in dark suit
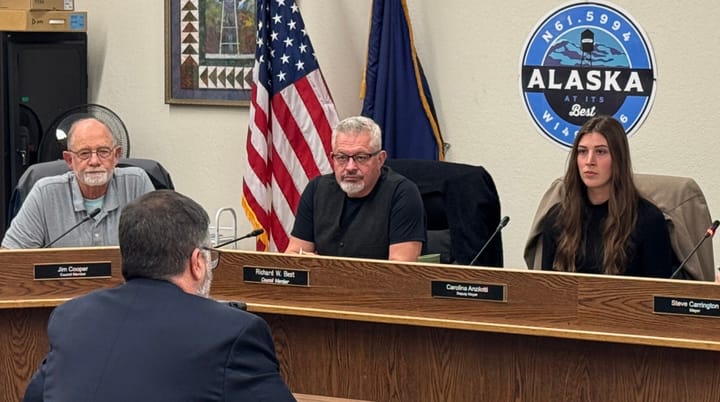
(158, 337)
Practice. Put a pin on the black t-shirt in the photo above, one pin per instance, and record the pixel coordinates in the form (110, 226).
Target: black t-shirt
(407, 215)
(649, 249)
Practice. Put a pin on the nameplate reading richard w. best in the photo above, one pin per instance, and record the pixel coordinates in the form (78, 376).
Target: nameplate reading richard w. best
(686, 306)
(473, 291)
(276, 276)
(73, 270)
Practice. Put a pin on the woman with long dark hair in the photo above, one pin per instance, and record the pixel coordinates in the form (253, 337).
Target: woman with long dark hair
(603, 225)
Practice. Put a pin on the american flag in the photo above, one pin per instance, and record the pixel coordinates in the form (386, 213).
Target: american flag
(290, 122)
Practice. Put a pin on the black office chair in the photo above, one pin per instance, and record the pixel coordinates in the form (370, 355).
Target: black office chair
(462, 208)
(159, 177)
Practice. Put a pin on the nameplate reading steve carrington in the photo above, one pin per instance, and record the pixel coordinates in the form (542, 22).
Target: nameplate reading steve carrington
(276, 276)
(73, 270)
(686, 306)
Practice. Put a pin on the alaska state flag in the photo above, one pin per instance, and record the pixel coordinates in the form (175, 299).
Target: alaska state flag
(397, 95)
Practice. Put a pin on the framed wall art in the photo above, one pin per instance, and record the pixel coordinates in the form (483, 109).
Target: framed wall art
(209, 51)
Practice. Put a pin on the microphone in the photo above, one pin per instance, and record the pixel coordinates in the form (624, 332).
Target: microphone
(503, 222)
(236, 304)
(254, 233)
(87, 218)
(710, 232)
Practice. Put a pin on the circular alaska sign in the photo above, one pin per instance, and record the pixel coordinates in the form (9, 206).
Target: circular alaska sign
(584, 60)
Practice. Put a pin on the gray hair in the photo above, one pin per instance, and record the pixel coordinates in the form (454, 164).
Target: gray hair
(357, 125)
(158, 232)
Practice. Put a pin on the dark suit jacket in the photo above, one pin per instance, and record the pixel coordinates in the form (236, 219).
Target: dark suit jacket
(148, 340)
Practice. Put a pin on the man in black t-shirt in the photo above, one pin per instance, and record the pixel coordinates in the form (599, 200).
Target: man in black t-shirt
(363, 209)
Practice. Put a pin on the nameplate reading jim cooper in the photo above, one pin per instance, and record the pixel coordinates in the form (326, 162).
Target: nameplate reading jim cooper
(73, 270)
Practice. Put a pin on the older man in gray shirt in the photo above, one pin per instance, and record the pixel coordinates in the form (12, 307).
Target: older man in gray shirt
(57, 203)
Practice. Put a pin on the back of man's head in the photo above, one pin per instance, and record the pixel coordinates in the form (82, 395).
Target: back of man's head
(158, 232)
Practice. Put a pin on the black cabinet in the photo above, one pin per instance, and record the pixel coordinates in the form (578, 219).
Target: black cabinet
(42, 74)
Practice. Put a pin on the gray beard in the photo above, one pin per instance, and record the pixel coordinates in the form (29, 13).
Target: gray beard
(96, 179)
(352, 188)
(204, 289)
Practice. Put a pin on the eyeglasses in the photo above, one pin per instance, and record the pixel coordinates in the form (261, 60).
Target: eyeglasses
(360, 159)
(85, 154)
(214, 256)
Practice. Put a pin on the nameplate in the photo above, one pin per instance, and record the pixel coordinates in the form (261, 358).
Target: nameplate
(73, 270)
(276, 276)
(686, 306)
(472, 291)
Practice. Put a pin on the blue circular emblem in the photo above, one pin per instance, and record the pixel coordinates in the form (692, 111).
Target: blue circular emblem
(584, 60)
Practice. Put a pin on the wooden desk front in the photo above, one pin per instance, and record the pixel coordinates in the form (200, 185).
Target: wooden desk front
(26, 304)
(371, 330)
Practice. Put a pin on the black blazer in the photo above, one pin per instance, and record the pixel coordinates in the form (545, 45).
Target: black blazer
(462, 199)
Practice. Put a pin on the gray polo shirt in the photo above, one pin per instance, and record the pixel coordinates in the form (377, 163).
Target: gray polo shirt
(55, 204)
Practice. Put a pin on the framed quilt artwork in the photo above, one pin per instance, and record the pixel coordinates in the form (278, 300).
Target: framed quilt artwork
(209, 51)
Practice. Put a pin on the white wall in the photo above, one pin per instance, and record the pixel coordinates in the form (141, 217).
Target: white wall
(470, 51)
